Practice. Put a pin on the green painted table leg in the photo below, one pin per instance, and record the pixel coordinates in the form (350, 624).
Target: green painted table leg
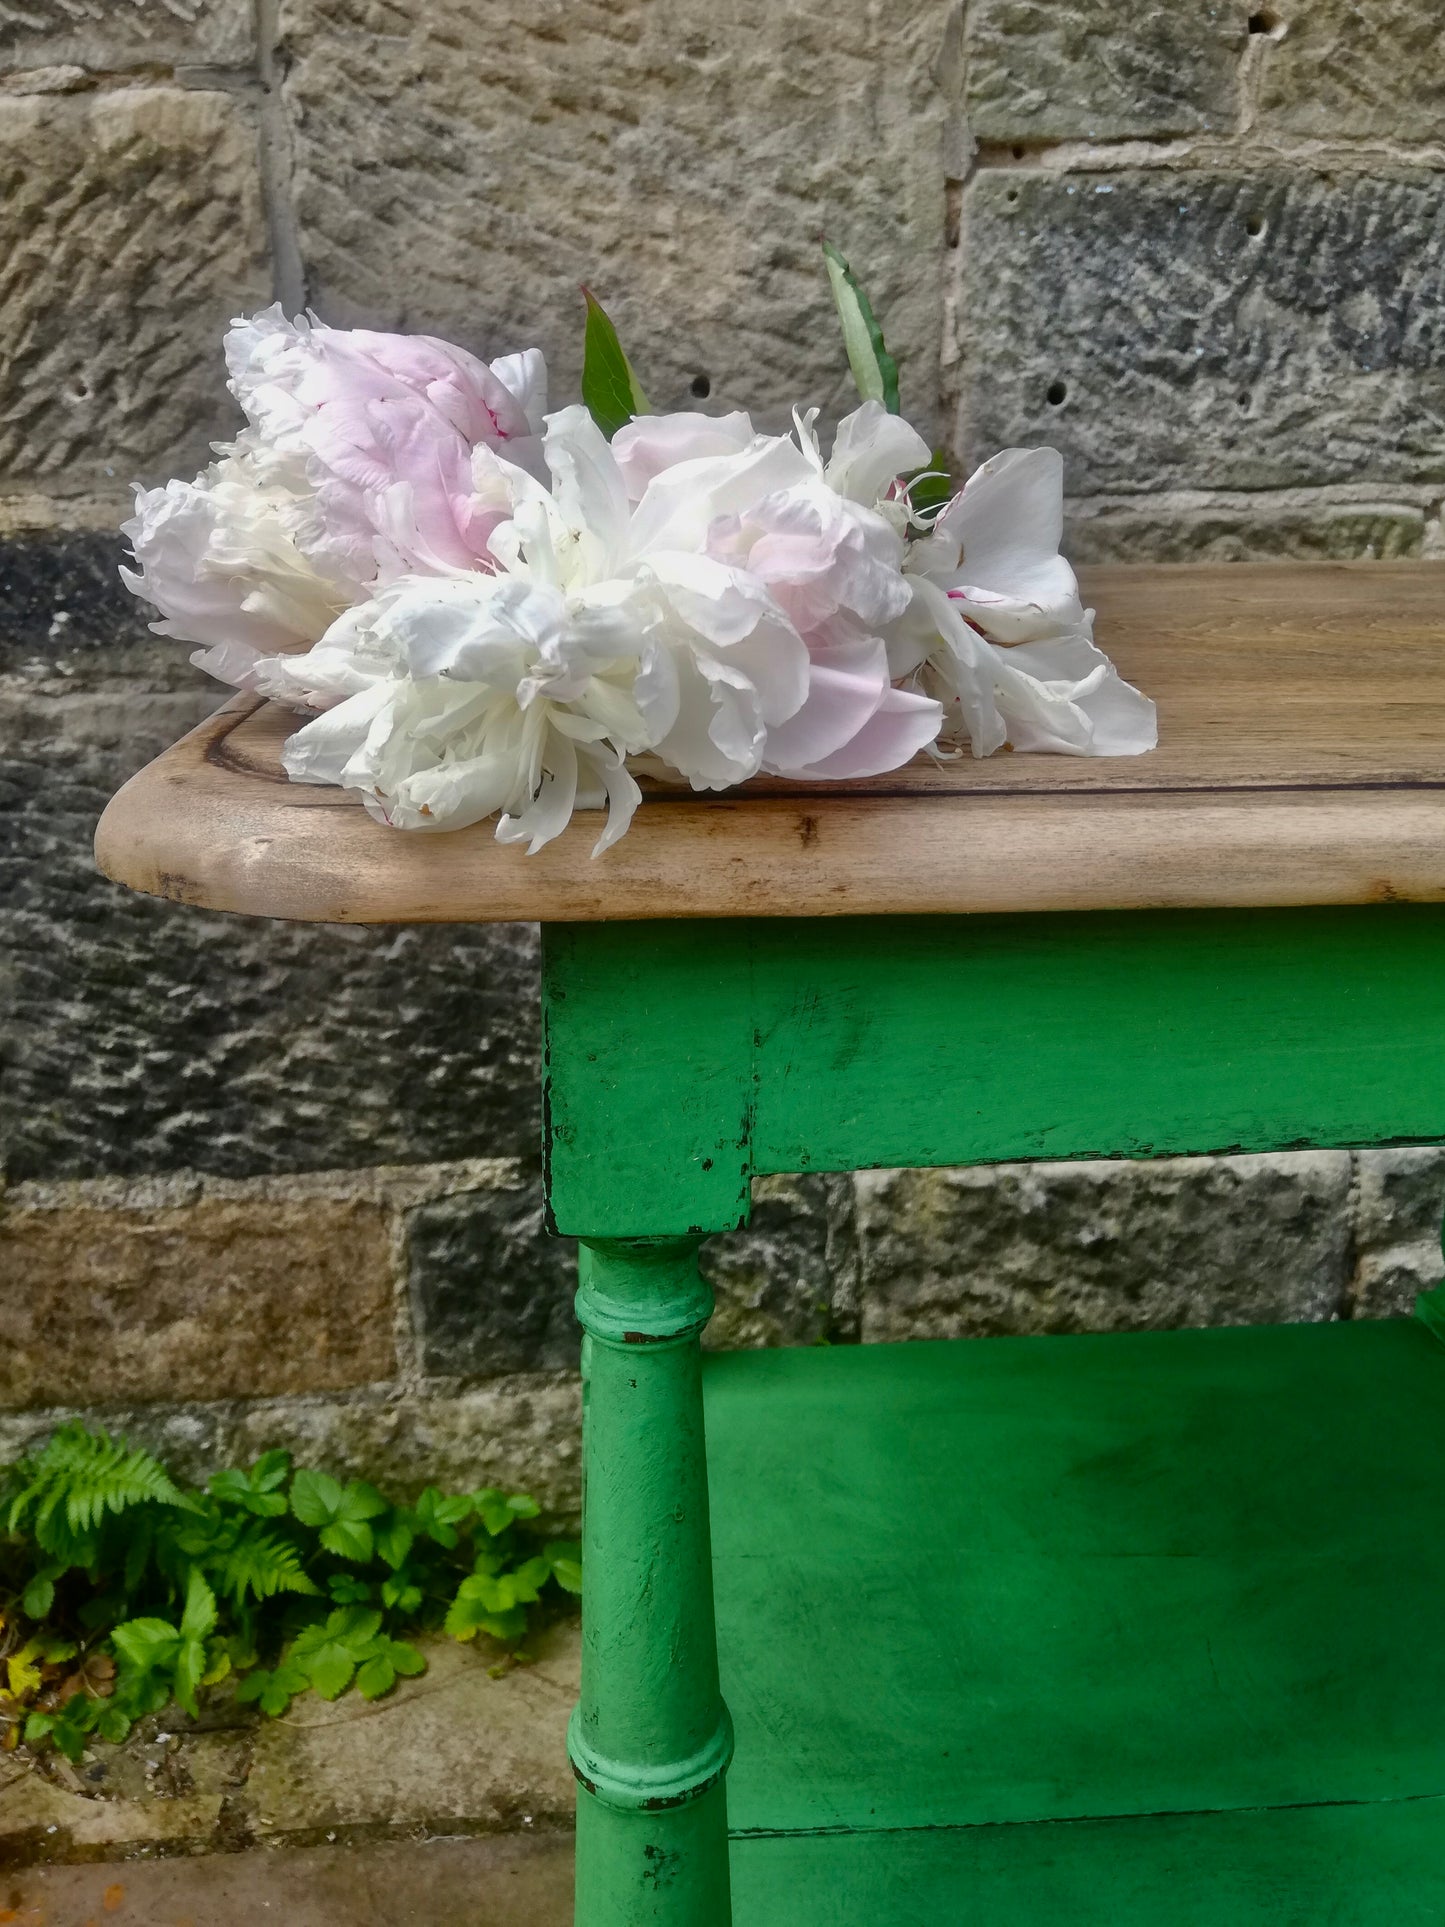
(650, 1739)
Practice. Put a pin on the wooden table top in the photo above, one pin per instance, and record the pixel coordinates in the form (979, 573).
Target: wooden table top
(1301, 760)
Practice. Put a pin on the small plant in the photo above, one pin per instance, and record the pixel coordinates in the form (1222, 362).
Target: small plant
(122, 1589)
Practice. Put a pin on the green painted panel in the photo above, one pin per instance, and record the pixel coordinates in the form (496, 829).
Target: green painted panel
(1027, 1579)
(1372, 1866)
(683, 1057)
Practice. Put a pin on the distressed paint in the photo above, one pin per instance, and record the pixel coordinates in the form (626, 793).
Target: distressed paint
(650, 1739)
(1130, 1607)
(682, 1058)
(1122, 1630)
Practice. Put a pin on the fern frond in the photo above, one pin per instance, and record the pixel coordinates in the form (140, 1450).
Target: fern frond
(261, 1563)
(78, 1478)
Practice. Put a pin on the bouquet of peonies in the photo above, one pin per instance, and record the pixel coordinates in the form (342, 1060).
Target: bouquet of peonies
(493, 610)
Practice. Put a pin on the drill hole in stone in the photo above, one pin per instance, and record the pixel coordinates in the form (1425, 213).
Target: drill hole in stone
(1018, 152)
(1012, 196)
(701, 386)
(1266, 21)
(1254, 226)
(1243, 401)
(1056, 394)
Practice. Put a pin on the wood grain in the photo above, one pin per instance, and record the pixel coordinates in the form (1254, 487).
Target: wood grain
(1301, 760)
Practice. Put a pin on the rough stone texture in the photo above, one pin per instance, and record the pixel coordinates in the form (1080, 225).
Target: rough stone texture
(491, 1292)
(1094, 69)
(488, 1881)
(1249, 331)
(1361, 67)
(520, 1433)
(1103, 1246)
(454, 1746)
(138, 1036)
(217, 1300)
(1401, 1203)
(106, 36)
(455, 1750)
(1242, 529)
(131, 228)
(791, 1278)
(463, 178)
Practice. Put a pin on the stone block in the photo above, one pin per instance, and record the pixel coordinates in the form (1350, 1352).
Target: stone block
(462, 177)
(1041, 70)
(1399, 1210)
(523, 1434)
(1241, 529)
(218, 1299)
(68, 622)
(142, 1036)
(1104, 1246)
(491, 1291)
(131, 229)
(790, 1278)
(461, 1750)
(109, 36)
(1356, 67)
(1261, 330)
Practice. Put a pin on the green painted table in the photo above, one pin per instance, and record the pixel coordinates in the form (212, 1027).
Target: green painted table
(1136, 1631)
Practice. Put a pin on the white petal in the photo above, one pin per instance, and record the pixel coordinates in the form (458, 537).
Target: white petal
(846, 685)
(680, 505)
(1066, 696)
(1009, 520)
(321, 751)
(650, 443)
(587, 484)
(903, 724)
(525, 374)
(871, 450)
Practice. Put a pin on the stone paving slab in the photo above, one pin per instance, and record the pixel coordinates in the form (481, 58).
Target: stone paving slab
(487, 1882)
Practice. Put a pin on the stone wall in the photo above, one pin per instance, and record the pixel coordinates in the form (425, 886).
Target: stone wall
(274, 1183)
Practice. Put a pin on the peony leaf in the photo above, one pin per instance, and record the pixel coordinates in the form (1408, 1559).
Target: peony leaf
(874, 369)
(610, 389)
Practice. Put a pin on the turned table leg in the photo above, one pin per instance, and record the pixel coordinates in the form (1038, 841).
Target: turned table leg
(650, 1739)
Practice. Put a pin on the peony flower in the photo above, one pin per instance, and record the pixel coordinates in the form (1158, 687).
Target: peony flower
(233, 560)
(814, 535)
(387, 424)
(523, 690)
(996, 630)
(355, 466)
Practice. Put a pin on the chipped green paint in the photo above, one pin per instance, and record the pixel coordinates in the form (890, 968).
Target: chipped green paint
(1139, 1607)
(650, 1739)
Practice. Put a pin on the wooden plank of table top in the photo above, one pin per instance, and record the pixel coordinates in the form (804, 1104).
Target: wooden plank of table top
(1301, 760)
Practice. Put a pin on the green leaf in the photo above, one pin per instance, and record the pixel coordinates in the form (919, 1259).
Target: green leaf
(395, 1537)
(239, 1489)
(874, 369)
(270, 1471)
(438, 1518)
(189, 1671)
(262, 1563)
(497, 1511)
(199, 1618)
(149, 1645)
(347, 1590)
(565, 1558)
(401, 1593)
(348, 1539)
(484, 1604)
(39, 1596)
(272, 1691)
(315, 1498)
(328, 1668)
(610, 388)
